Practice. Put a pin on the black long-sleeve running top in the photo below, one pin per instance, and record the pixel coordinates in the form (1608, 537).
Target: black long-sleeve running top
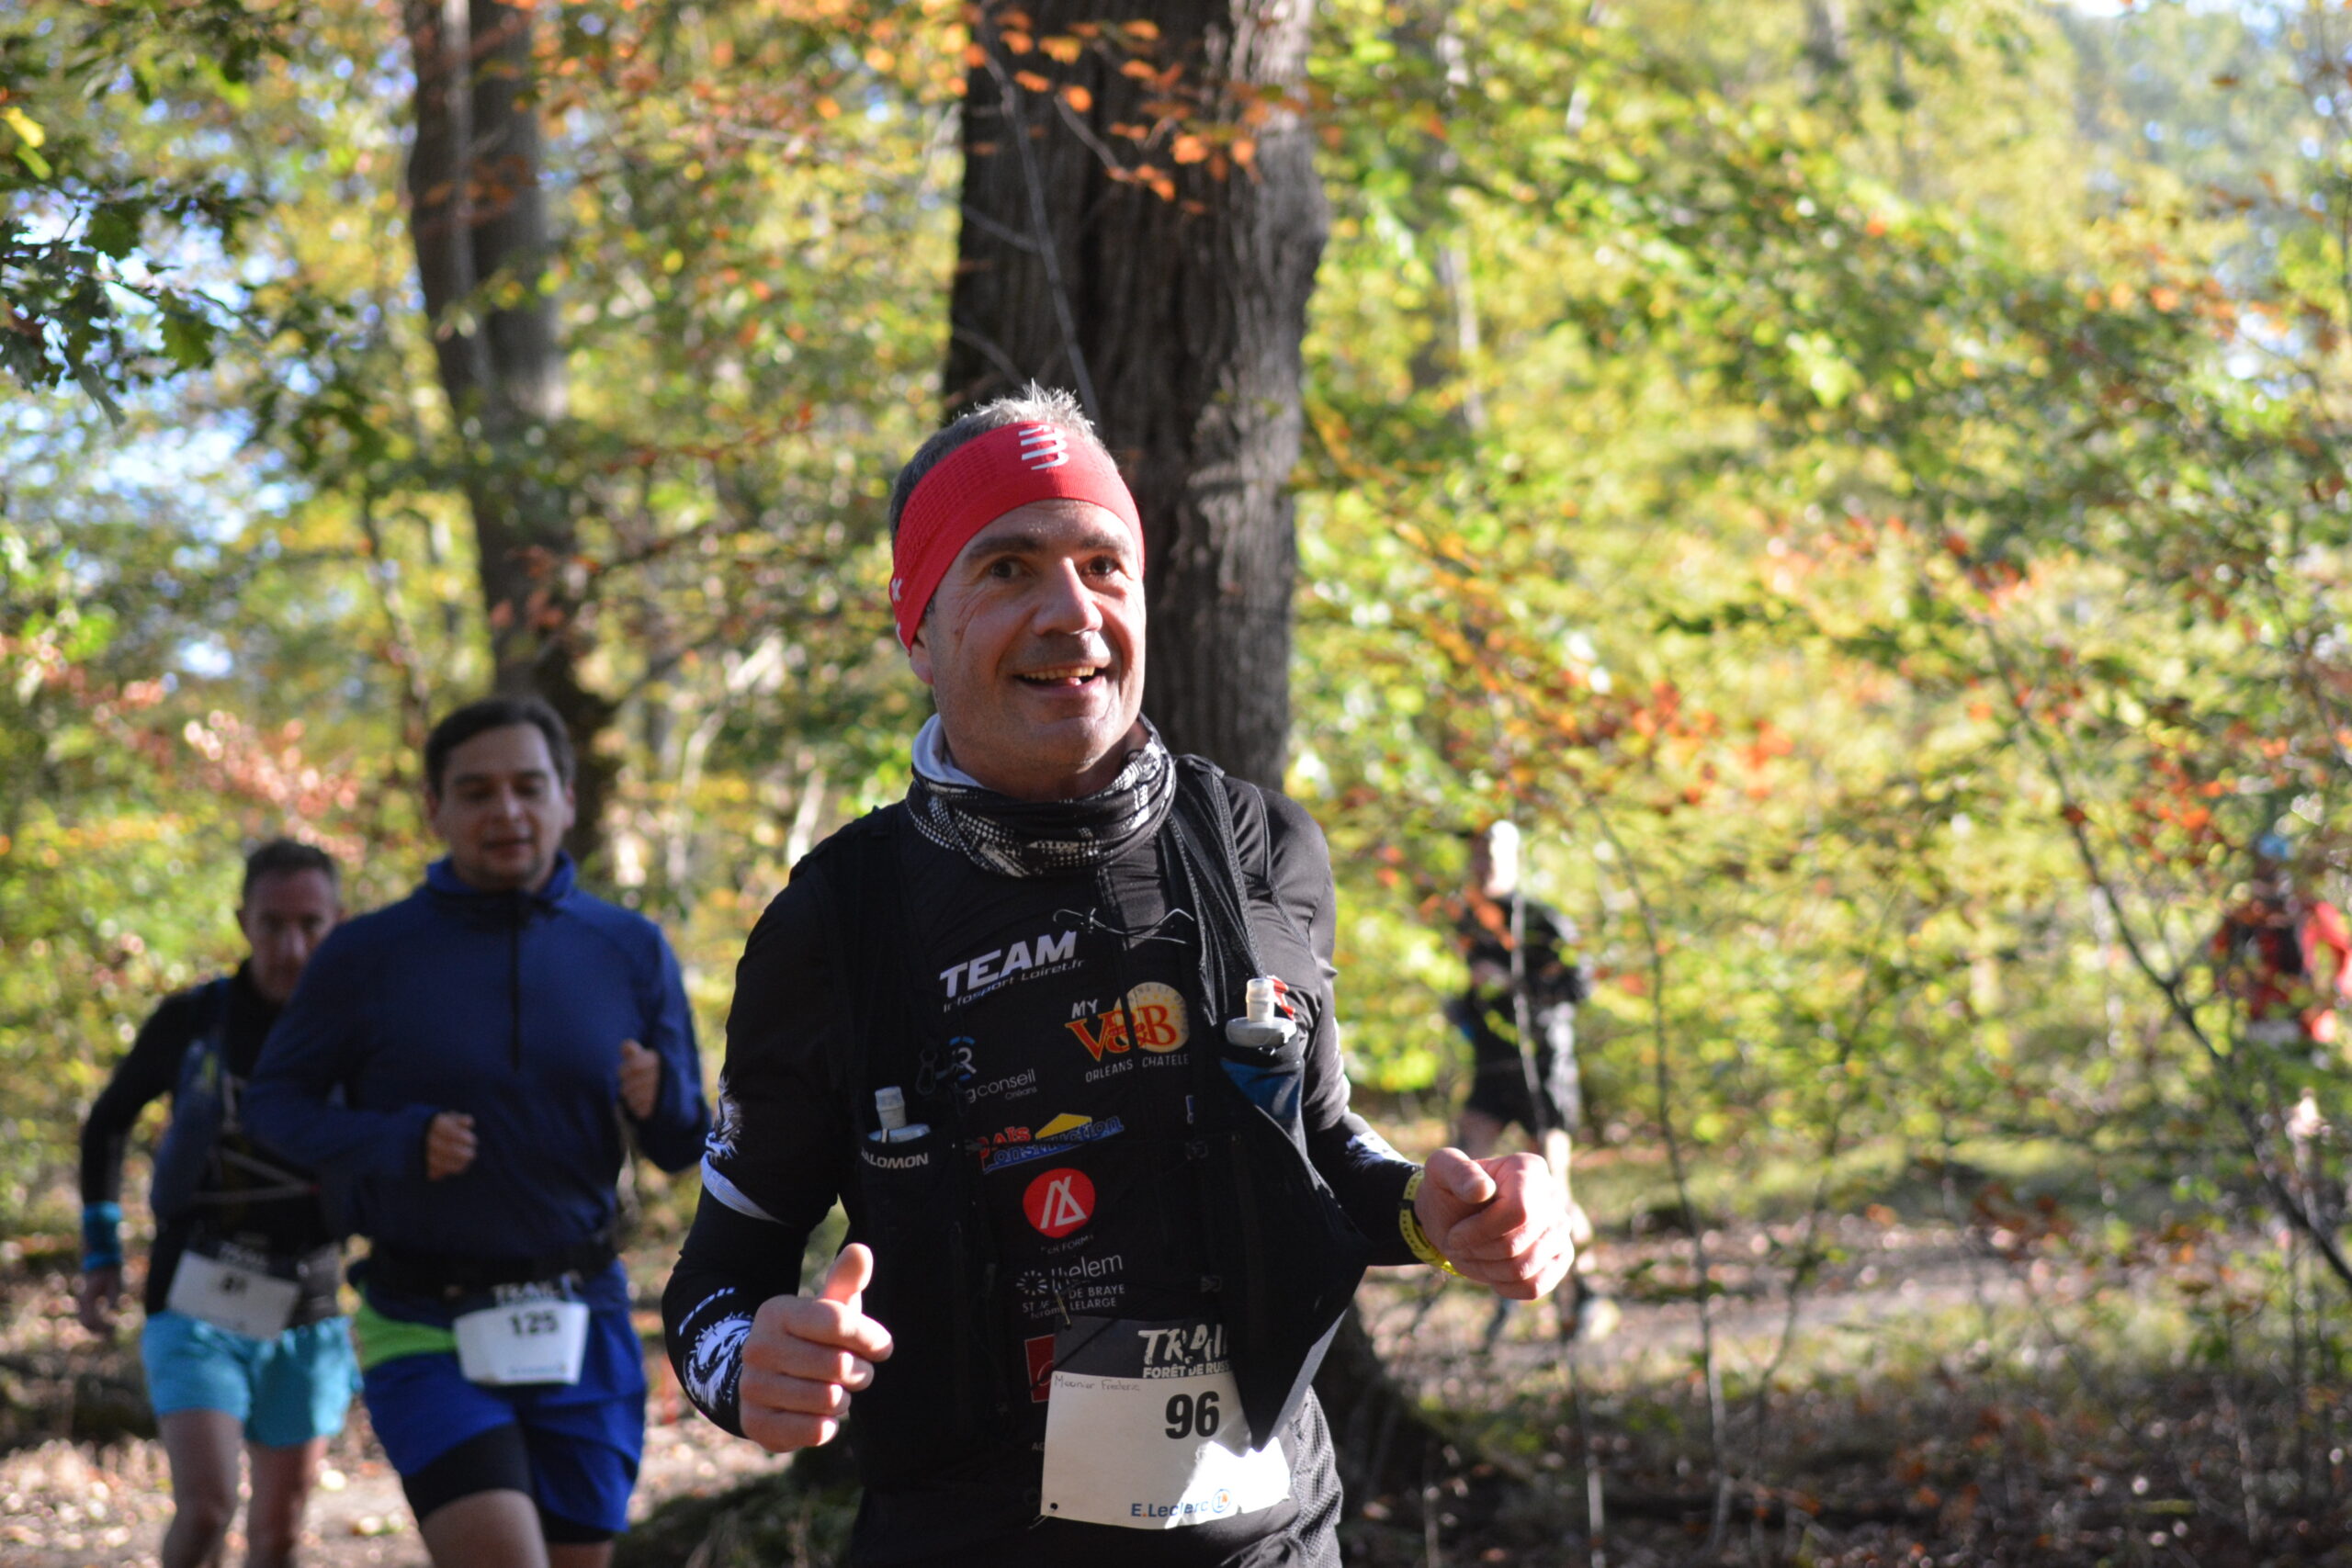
(1070, 1005)
(151, 1069)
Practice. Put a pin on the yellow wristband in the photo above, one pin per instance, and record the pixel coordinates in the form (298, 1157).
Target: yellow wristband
(1409, 1224)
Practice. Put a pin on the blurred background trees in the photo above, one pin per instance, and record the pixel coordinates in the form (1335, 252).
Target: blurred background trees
(1861, 481)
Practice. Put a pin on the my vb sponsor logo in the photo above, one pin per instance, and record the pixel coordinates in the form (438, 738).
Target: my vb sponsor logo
(1162, 1023)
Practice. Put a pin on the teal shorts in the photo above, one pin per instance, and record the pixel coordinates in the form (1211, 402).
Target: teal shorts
(286, 1391)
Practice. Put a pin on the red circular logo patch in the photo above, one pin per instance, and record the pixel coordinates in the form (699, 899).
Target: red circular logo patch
(1060, 1201)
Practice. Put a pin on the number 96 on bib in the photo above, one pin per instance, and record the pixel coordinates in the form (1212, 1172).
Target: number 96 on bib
(1145, 1428)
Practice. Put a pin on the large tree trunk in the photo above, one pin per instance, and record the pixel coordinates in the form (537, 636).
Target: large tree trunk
(1171, 295)
(479, 219)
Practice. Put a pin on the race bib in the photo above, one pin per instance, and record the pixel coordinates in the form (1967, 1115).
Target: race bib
(530, 1333)
(234, 1290)
(1145, 1428)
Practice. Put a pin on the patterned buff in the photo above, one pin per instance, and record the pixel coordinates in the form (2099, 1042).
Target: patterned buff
(1046, 838)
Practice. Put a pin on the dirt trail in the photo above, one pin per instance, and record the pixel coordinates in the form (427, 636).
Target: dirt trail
(68, 1505)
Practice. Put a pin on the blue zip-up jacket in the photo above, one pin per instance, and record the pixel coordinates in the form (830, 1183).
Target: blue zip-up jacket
(510, 1006)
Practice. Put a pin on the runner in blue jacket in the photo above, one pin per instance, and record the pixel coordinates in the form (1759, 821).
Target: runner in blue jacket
(496, 1039)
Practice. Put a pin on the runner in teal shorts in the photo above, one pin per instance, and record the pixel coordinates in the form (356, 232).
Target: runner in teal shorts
(243, 1340)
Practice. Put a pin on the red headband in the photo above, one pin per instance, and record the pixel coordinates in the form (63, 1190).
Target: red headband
(979, 482)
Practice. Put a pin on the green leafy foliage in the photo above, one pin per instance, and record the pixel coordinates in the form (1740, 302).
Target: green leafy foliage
(1805, 474)
(101, 217)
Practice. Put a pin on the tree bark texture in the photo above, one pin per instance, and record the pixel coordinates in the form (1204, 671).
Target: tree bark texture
(1164, 278)
(479, 219)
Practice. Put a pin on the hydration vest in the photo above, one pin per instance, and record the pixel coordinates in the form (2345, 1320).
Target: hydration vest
(1283, 1270)
(205, 1159)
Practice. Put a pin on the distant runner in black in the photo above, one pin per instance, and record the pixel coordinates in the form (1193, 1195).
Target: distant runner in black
(1058, 1031)
(243, 1340)
(1540, 1091)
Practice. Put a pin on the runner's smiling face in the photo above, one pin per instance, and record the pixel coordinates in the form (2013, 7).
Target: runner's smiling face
(501, 809)
(1033, 649)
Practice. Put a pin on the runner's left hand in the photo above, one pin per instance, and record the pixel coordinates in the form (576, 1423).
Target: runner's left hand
(1501, 1222)
(98, 1295)
(641, 1079)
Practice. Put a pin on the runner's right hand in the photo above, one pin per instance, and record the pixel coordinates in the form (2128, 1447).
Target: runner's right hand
(96, 1294)
(448, 1145)
(805, 1357)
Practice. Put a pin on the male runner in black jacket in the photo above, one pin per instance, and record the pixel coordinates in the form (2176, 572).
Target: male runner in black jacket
(1541, 1092)
(984, 1020)
(238, 1229)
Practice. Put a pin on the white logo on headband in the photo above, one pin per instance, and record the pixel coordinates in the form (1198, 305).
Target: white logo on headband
(1041, 447)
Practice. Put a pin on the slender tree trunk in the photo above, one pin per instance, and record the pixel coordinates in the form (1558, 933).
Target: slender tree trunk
(1164, 280)
(479, 219)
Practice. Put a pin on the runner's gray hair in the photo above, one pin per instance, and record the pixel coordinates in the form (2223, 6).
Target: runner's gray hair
(1033, 404)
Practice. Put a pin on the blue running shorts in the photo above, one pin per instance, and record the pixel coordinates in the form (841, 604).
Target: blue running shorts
(583, 1438)
(286, 1391)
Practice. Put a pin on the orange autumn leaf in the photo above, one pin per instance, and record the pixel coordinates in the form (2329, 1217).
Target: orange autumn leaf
(1033, 82)
(1077, 97)
(1189, 149)
(1016, 42)
(1063, 47)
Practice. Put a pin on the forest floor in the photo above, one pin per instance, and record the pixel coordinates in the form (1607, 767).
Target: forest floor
(83, 1482)
(1947, 1388)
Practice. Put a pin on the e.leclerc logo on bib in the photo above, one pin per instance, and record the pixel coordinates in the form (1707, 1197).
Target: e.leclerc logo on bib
(1058, 1202)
